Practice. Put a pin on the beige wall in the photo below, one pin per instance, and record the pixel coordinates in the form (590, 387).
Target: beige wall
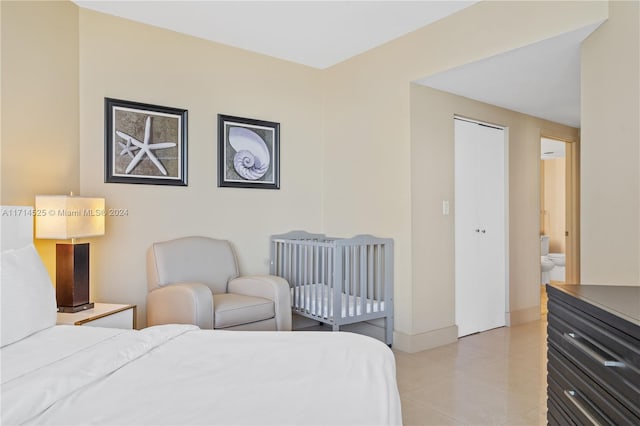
(553, 200)
(40, 104)
(350, 137)
(127, 60)
(610, 208)
(39, 99)
(432, 155)
(372, 173)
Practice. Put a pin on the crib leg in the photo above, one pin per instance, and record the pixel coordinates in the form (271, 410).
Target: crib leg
(388, 330)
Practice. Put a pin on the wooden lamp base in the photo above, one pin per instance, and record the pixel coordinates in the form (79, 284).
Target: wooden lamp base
(72, 277)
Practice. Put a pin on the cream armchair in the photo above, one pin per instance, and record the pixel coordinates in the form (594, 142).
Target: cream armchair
(194, 280)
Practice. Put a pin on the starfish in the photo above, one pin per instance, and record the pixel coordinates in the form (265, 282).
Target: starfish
(145, 148)
(128, 148)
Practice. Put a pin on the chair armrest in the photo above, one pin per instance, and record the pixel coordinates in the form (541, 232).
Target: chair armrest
(181, 303)
(269, 287)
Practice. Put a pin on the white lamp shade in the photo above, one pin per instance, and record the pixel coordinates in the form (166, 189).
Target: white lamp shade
(61, 217)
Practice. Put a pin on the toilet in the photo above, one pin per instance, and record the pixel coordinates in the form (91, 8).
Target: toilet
(558, 272)
(556, 258)
(546, 265)
(551, 264)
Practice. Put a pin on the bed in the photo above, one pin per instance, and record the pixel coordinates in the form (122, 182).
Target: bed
(175, 374)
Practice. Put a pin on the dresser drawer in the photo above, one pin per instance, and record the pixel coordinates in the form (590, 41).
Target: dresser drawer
(556, 414)
(580, 397)
(601, 351)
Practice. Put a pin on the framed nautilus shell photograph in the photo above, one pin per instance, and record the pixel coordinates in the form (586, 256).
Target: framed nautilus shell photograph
(145, 143)
(248, 153)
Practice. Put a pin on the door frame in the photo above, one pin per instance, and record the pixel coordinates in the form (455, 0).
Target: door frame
(572, 207)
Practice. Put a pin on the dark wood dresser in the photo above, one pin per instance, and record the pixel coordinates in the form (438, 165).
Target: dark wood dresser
(593, 355)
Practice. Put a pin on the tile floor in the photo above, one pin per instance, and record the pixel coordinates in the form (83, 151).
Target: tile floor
(493, 378)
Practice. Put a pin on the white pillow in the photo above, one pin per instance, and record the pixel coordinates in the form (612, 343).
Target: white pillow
(27, 297)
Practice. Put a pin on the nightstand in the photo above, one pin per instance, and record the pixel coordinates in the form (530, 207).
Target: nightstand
(102, 315)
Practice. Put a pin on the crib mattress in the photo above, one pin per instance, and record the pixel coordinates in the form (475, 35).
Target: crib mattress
(317, 299)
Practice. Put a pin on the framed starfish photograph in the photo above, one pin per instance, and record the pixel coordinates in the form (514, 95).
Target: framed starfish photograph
(145, 143)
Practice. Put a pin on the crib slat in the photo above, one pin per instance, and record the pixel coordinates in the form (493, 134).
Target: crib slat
(312, 277)
(283, 259)
(370, 294)
(376, 286)
(355, 272)
(303, 288)
(321, 275)
(301, 277)
(289, 275)
(363, 279)
(329, 278)
(315, 260)
(347, 281)
(337, 284)
(307, 275)
(354, 279)
(294, 265)
(379, 276)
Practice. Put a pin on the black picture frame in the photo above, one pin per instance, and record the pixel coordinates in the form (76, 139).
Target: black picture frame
(128, 126)
(248, 153)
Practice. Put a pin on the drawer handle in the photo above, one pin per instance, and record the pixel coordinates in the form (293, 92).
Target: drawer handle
(573, 397)
(592, 352)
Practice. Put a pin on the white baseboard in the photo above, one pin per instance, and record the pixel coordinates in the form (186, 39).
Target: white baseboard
(522, 316)
(420, 342)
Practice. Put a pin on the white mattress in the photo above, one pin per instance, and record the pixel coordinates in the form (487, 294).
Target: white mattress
(178, 374)
(317, 299)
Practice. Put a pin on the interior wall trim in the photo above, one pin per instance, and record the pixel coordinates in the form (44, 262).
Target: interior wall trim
(522, 316)
(412, 343)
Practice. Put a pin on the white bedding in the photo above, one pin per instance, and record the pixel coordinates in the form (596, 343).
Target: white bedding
(178, 374)
(317, 299)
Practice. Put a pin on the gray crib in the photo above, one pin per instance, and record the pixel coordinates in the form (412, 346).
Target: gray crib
(337, 281)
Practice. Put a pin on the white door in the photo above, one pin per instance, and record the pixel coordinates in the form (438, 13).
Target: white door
(480, 227)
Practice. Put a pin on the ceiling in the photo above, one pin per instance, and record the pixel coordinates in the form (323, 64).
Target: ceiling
(542, 79)
(314, 33)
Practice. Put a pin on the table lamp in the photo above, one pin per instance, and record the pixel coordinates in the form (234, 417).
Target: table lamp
(64, 217)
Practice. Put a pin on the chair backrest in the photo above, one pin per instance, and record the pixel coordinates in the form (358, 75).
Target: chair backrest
(191, 259)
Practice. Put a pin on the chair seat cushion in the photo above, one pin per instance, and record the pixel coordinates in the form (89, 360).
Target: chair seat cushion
(230, 309)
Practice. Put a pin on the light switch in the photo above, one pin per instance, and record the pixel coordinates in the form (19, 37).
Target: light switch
(445, 207)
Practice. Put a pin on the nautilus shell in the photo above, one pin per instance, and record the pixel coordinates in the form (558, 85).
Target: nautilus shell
(252, 155)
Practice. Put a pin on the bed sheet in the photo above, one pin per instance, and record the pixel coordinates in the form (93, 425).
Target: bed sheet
(178, 374)
(49, 346)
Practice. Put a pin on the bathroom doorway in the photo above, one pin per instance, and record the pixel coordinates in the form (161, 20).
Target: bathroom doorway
(559, 227)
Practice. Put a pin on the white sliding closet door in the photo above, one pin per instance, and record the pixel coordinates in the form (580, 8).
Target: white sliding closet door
(480, 227)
